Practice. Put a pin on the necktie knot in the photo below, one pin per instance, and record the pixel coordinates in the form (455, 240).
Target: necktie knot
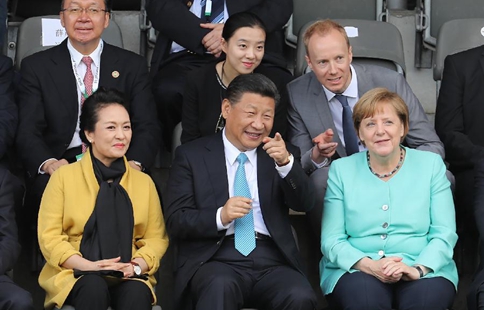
(342, 99)
(87, 60)
(242, 158)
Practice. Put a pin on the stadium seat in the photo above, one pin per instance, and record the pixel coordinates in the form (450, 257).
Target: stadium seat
(307, 10)
(378, 43)
(440, 11)
(456, 36)
(30, 37)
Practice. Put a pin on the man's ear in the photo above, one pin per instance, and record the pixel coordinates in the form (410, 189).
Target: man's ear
(226, 106)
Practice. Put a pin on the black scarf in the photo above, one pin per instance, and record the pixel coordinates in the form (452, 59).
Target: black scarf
(109, 231)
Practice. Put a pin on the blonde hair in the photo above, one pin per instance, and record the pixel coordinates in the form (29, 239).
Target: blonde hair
(322, 28)
(372, 102)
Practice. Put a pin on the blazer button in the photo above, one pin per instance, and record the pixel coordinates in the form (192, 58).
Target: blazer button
(381, 253)
(385, 225)
(383, 237)
(218, 242)
(201, 263)
(384, 207)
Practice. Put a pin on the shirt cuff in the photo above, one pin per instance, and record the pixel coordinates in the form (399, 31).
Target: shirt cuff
(221, 226)
(325, 163)
(284, 170)
(40, 171)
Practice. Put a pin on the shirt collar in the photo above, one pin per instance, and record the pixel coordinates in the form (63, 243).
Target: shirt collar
(77, 57)
(351, 91)
(231, 152)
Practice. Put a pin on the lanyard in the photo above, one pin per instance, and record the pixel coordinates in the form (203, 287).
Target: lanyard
(80, 82)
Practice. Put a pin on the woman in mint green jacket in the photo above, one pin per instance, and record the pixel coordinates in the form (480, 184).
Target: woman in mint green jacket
(389, 223)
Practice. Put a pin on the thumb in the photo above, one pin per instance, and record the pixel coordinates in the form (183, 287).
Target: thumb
(329, 132)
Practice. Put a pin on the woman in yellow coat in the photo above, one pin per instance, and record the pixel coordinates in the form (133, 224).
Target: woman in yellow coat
(100, 227)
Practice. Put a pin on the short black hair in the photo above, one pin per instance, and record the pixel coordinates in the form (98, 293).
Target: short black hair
(255, 83)
(100, 99)
(107, 4)
(241, 20)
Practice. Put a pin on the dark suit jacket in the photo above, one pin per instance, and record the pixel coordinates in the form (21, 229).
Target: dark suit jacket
(8, 108)
(459, 117)
(203, 97)
(198, 186)
(175, 22)
(48, 104)
(11, 193)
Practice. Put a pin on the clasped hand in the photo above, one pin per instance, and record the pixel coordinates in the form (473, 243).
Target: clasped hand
(389, 269)
(114, 264)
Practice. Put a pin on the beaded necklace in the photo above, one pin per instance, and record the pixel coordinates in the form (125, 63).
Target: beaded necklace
(386, 175)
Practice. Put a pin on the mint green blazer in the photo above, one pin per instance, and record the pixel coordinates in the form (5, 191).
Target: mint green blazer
(411, 216)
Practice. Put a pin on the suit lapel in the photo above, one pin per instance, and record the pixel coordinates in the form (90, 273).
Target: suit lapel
(63, 78)
(110, 70)
(481, 60)
(214, 159)
(324, 112)
(265, 180)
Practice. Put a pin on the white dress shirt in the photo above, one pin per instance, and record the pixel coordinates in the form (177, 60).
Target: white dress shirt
(231, 153)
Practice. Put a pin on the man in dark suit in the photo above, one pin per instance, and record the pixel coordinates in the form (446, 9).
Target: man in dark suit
(315, 120)
(8, 109)
(11, 193)
(187, 40)
(205, 210)
(459, 123)
(12, 297)
(55, 82)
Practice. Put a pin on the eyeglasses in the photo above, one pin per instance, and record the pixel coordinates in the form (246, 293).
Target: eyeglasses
(75, 11)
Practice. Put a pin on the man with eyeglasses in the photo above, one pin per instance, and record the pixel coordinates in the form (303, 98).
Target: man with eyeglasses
(54, 84)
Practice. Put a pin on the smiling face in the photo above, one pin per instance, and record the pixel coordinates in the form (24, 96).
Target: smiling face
(329, 56)
(84, 30)
(248, 121)
(112, 134)
(382, 133)
(244, 50)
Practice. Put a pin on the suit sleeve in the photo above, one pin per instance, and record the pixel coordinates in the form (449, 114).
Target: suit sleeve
(9, 246)
(146, 128)
(421, 134)
(8, 109)
(184, 218)
(479, 196)
(334, 239)
(299, 192)
(297, 133)
(449, 118)
(173, 19)
(32, 122)
(441, 235)
(152, 246)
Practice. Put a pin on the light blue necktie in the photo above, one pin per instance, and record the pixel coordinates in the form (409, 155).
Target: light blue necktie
(351, 141)
(244, 226)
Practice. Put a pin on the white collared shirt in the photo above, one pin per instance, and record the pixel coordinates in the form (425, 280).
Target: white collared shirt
(336, 108)
(231, 153)
(196, 10)
(81, 70)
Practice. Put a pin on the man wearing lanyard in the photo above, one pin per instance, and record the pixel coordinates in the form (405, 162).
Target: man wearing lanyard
(54, 84)
(190, 35)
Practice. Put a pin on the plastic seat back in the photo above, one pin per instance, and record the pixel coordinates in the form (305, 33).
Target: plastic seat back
(378, 43)
(29, 40)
